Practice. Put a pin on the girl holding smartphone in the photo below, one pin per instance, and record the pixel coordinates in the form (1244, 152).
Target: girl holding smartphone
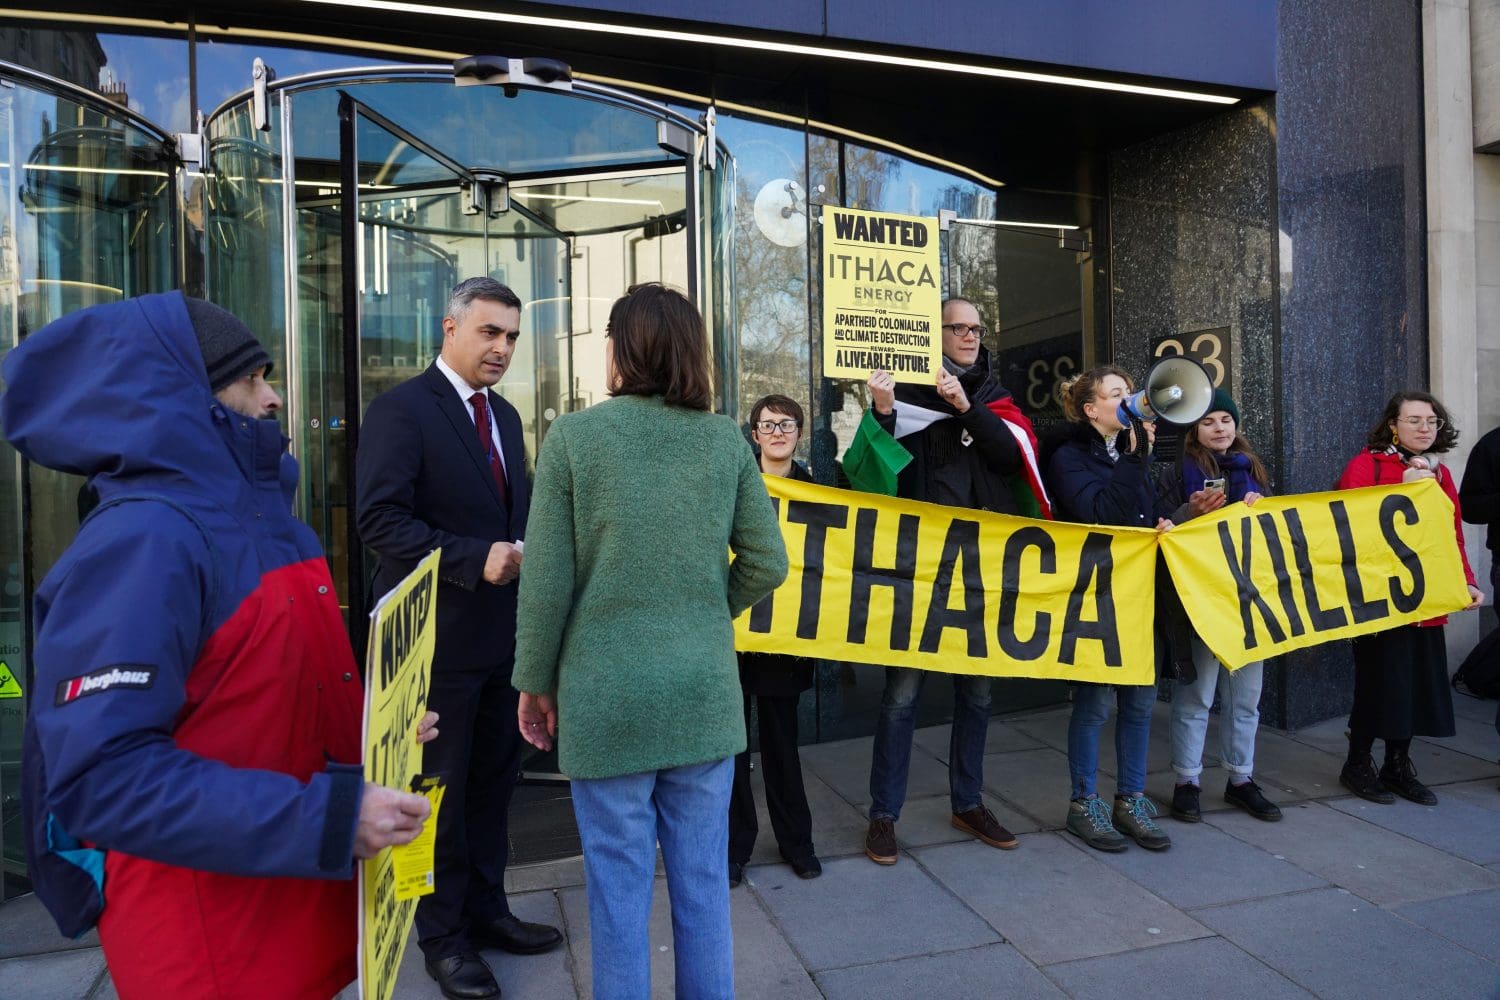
(1217, 467)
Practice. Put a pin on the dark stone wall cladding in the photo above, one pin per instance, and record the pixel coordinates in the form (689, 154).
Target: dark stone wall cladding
(1297, 224)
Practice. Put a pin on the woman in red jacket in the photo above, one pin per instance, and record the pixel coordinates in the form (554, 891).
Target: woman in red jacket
(1401, 675)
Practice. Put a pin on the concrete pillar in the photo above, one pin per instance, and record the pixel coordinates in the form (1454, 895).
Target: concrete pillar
(1484, 32)
(1451, 328)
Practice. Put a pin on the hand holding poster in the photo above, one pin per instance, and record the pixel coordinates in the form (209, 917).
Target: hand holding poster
(882, 304)
(402, 638)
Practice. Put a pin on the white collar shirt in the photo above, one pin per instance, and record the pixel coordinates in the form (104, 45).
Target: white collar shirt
(464, 391)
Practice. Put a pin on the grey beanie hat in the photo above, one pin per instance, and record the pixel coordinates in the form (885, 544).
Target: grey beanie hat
(229, 349)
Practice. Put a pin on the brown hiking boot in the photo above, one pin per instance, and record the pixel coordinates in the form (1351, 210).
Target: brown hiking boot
(980, 822)
(880, 842)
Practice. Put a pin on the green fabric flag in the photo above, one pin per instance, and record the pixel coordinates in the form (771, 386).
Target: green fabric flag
(873, 458)
(1026, 503)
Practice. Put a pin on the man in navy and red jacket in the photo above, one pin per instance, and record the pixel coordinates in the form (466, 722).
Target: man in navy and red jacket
(191, 762)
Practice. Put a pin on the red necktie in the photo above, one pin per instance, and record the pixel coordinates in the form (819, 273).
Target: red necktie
(482, 425)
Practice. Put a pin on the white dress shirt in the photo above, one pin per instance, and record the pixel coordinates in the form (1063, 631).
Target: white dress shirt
(465, 390)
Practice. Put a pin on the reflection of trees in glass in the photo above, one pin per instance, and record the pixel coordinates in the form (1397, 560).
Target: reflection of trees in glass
(771, 292)
(971, 266)
(867, 176)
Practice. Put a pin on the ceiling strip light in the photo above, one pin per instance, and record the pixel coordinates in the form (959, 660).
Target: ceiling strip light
(791, 48)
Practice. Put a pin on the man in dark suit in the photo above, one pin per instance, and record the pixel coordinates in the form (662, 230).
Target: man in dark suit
(442, 463)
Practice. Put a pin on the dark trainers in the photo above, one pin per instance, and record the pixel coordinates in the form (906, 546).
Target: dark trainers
(1249, 798)
(736, 873)
(1134, 817)
(980, 822)
(1185, 804)
(1400, 775)
(1360, 778)
(880, 842)
(1088, 819)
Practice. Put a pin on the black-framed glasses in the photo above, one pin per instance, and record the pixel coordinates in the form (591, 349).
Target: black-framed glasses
(771, 426)
(963, 330)
(1422, 423)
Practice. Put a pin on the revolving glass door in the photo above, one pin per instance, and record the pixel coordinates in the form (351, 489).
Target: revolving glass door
(391, 185)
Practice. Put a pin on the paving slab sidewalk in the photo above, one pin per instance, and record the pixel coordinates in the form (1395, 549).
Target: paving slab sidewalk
(1342, 898)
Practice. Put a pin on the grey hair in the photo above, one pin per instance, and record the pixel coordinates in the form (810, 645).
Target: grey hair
(465, 292)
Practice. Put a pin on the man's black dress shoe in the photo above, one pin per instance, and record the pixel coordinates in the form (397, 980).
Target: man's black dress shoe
(736, 874)
(514, 935)
(464, 977)
(807, 866)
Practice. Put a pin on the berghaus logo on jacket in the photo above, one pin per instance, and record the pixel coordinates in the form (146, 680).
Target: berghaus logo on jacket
(123, 675)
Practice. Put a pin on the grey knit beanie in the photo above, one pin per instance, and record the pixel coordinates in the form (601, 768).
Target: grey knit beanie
(229, 349)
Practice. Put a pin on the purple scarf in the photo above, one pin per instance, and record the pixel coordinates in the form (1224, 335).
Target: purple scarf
(1234, 466)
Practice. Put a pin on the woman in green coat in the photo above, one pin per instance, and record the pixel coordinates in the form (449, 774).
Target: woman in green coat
(625, 637)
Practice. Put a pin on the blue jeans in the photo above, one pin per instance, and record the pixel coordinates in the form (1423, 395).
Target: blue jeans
(891, 760)
(620, 821)
(1132, 735)
(1239, 715)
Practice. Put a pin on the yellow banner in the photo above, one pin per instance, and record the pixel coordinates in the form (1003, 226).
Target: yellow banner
(898, 583)
(894, 582)
(399, 665)
(1297, 571)
(882, 307)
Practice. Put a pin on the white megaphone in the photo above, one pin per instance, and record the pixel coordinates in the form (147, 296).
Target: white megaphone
(1177, 389)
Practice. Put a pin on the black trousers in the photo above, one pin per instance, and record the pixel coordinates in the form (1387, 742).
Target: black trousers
(786, 798)
(479, 749)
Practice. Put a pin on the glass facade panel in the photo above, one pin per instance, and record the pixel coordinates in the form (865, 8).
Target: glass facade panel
(769, 244)
(235, 228)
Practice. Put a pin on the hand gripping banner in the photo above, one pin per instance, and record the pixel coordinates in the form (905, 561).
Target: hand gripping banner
(1296, 571)
(895, 582)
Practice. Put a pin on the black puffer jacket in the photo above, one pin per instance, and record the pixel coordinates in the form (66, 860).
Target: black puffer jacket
(1089, 487)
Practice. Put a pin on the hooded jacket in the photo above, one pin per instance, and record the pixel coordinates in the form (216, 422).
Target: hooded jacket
(197, 707)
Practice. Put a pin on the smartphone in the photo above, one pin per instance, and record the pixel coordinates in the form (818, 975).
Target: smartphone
(1214, 484)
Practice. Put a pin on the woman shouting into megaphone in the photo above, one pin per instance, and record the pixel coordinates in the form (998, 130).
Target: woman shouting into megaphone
(1097, 473)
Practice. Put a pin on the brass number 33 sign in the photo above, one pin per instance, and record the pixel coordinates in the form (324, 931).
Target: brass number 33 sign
(1210, 348)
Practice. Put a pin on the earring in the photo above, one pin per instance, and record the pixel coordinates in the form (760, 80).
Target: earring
(1395, 439)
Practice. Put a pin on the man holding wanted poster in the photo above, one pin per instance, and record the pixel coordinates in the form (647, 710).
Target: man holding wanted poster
(964, 454)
